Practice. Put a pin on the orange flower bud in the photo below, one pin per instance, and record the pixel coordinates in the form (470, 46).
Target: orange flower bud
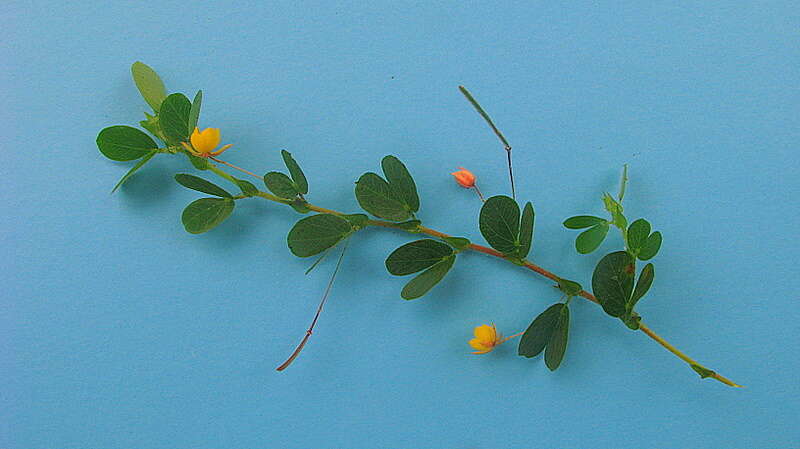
(464, 177)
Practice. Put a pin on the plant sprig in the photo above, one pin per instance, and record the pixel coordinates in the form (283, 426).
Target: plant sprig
(394, 202)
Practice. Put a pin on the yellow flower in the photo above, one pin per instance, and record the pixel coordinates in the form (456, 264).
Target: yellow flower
(204, 142)
(486, 339)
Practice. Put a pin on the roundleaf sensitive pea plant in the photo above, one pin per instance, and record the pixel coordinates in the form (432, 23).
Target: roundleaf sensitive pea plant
(391, 202)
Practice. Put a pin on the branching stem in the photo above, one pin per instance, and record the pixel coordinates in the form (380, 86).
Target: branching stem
(486, 250)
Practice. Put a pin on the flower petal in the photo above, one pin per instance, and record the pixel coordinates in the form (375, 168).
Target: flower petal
(478, 344)
(485, 333)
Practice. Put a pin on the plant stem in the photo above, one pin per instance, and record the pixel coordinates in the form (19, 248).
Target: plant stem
(234, 167)
(310, 330)
(478, 191)
(486, 250)
(221, 173)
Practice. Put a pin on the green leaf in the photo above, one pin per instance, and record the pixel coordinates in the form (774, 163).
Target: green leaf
(459, 243)
(570, 288)
(294, 170)
(591, 238)
(540, 331)
(359, 221)
(194, 111)
(313, 235)
(417, 256)
(499, 223)
(199, 163)
(206, 213)
(149, 84)
(612, 282)
(247, 187)
(582, 221)
(376, 197)
(651, 246)
(638, 232)
(201, 185)
(557, 345)
(642, 285)
(280, 185)
(526, 230)
(133, 170)
(426, 280)
(401, 182)
(124, 143)
(174, 118)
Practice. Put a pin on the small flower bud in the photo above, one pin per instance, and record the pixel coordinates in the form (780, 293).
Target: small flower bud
(464, 178)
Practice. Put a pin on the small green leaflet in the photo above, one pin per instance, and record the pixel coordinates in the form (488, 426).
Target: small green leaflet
(526, 230)
(201, 185)
(149, 84)
(499, 224)
(557, 345)
(280, 185)
(417, 256)
(124, 143)
(174, 118)
(540, 331)
(549, 332)
(638, 232)
(426, 280)
(206, 213)
(651, 246)
(582, 221)
(612, 282)
(376, 197)
(401, 181)
(395, 199)
(133, 170)
(591, 238)
(642, 285)
(299, 179)
(313, 235)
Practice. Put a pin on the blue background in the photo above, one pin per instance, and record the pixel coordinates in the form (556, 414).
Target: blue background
(121, 330)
